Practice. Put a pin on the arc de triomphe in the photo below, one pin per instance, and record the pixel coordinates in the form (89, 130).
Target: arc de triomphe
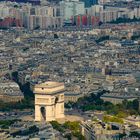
(49, 101)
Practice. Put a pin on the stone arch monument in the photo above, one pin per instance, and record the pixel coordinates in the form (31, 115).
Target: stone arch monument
(49, 101)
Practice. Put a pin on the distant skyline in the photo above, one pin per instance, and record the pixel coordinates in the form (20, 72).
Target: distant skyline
(25, 1)
(21, 0)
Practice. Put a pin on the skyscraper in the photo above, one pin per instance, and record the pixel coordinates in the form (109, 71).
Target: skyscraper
(88, 3)
(71, 8)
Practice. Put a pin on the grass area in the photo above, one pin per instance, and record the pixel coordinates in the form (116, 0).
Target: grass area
(27, 103)
(108, 119)
(6, 123)
(69, 129)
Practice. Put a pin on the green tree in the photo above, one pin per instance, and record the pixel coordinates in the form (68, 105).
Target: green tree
(134, 134)
(57, 126)
(136, 105)
(125, 103)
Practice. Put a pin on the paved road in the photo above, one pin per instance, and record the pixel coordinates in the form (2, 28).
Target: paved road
(84, 115)
(15, 115)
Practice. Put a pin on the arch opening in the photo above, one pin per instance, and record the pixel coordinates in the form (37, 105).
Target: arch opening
(56, 100)
(43, 113)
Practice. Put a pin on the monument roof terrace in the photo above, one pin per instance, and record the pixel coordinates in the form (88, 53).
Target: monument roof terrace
(49, 87)
(49, 84)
